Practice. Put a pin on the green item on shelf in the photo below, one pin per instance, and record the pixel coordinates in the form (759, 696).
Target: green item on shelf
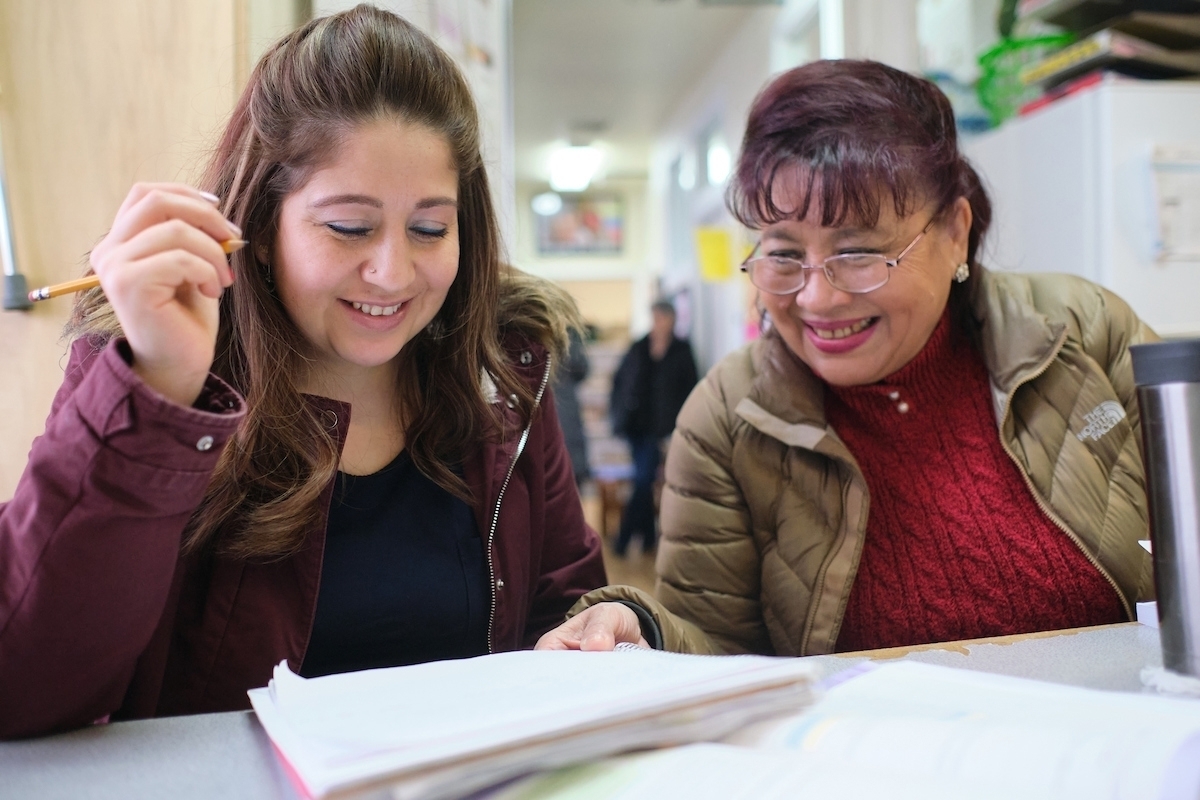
(1006, 17)
(1000, 89)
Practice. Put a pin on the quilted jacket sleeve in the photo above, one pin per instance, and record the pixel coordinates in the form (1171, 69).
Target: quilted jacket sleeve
(1110, 347)
(709, 565)
(1108, 341)
(90, 540)
(707, 597)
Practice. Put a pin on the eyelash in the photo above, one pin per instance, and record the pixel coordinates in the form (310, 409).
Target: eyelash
(429, 233)
(341, 230)
(358, 233)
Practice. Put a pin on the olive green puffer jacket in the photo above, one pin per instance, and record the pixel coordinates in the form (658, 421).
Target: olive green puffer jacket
(765, 510)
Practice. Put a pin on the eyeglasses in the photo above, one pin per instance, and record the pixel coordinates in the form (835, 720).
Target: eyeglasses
(856, 273)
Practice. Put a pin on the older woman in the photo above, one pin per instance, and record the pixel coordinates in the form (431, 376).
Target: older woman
(918, 450)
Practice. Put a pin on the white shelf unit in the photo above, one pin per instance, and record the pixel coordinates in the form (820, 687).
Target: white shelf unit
(1073, 188)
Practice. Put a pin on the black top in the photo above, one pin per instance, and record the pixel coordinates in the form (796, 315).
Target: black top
(647, 394)
(403, 579)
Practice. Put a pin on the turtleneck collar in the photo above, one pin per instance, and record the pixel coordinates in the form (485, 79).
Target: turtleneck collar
(930, 378)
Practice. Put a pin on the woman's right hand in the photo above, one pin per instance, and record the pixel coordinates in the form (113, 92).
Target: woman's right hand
(599, 627)
(163, 269)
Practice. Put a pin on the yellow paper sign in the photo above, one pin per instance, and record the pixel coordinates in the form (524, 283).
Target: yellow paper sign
(714, 249)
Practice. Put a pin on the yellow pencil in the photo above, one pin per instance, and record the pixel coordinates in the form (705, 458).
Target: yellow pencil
(92, 281)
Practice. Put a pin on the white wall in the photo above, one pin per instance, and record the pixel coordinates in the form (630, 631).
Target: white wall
(717, 102)
(952, 34)
(1073, 190)
(883, 30)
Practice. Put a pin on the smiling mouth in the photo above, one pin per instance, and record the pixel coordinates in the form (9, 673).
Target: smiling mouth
(376, 311)
(842, 333)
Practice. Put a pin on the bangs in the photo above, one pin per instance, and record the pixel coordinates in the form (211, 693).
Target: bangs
(847, 181)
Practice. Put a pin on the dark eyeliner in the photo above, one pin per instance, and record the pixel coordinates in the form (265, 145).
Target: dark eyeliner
(343, 230)
(439, 233)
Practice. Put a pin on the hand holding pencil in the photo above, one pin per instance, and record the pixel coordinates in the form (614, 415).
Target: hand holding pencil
(230, 246)
(163, 268)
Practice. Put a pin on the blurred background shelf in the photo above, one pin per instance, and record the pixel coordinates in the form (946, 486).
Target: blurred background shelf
(1085, 16)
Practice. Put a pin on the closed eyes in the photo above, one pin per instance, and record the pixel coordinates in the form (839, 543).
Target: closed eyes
(428, 233)
(349, 231)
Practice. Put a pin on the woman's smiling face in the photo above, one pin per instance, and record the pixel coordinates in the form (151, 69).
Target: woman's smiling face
(855, 339)
(367, 248)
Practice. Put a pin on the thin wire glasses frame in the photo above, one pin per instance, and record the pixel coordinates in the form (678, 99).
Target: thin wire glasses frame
(856, 273)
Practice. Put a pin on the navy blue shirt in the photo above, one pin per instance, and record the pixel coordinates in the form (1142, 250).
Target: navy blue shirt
(403, 579)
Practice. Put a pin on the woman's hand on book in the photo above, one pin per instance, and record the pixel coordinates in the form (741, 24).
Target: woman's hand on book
(163, 269)
(599, 627)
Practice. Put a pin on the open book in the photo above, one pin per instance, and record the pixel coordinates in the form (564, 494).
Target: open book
(447, 728)
(912, 730)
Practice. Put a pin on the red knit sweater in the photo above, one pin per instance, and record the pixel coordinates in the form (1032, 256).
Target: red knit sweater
(956, 545)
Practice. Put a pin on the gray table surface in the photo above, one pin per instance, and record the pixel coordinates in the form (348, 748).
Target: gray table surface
(228, 756)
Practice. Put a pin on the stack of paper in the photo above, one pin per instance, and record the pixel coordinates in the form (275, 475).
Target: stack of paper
(911, 730)
(446, 728)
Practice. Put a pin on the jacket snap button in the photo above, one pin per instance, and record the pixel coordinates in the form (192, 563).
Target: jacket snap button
(526, 357)
(512, 401)
(204, 443)
(331, 419)
(499, 584)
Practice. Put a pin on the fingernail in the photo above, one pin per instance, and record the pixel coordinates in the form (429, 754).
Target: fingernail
(234, 228)
(210, 197)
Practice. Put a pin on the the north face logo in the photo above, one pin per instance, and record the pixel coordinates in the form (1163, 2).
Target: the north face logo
(1101, 419)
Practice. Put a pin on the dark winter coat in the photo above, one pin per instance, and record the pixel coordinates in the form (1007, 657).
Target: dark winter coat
(101, 615)
(647, 394)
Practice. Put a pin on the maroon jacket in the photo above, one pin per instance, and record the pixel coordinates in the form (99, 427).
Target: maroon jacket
(101, 615)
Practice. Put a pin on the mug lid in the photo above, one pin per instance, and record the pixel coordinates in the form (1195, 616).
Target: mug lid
(1166, 362)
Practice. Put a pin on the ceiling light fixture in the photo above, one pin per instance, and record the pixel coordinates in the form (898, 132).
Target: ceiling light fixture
(572, 168)
(719, 161)
(546, 204)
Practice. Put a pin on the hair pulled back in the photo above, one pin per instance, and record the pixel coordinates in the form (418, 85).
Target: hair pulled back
(309, 90)
(857, 133)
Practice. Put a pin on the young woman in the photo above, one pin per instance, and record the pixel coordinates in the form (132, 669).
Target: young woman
(335, 448)
(917, 450)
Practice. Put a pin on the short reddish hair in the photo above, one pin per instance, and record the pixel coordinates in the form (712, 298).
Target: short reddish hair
(858, 131)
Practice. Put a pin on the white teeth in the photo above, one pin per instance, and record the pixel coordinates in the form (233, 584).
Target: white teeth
(842, 333)
(377, 311)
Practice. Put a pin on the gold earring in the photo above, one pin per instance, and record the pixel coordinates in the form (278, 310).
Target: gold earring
(962, 273)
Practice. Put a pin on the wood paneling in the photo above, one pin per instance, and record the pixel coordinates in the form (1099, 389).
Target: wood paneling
(93, 97)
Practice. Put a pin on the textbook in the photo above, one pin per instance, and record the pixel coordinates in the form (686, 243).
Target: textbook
(447, 728)
(913, 730)
(1111, 49)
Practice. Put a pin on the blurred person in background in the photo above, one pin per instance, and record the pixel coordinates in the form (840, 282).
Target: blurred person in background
(572, 372)
(649, 387)
(917, 449)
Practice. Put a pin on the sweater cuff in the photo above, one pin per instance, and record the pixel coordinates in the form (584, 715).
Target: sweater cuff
(650, 630)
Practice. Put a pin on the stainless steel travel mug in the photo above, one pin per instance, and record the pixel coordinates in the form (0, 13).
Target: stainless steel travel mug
(1168, 390)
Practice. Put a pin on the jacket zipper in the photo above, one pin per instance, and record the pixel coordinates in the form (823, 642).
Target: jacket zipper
(1049, 512)
(512, 465)
(810, 620)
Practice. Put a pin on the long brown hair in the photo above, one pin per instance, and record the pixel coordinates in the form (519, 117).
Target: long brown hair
(306, 92)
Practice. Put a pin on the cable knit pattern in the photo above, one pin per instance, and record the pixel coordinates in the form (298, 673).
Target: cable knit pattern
(956, 545)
